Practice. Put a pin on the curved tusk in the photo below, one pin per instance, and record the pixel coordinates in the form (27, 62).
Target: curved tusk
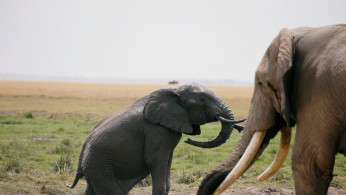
(220, 118)
(281, 155)
(244, 161)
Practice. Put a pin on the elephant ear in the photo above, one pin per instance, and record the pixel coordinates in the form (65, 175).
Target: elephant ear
(164, 107)
(281, 56)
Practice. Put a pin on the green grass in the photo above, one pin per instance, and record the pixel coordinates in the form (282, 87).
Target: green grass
(39, 153)
(40, 148)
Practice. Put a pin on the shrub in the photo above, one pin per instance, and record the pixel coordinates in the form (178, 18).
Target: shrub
(62, 150)
(188, 177)
(66, 142)
(60, 129)
(28, 115)
(14, 165)
(185, 178)
(63, 164)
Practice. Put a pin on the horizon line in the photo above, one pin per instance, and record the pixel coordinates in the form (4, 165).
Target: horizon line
(16, 77)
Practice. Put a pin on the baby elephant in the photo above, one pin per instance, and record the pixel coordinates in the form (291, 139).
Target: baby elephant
(125, 147)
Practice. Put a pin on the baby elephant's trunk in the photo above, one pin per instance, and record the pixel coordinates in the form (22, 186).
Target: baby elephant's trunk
(227, 121)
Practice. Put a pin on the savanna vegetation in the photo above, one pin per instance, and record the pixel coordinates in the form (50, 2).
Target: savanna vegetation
(44, 124)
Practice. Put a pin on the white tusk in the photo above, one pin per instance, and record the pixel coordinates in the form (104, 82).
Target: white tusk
(243, 163)
(281, 155)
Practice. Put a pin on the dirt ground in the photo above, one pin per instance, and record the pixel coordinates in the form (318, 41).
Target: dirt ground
(239, 191)
(275, 191)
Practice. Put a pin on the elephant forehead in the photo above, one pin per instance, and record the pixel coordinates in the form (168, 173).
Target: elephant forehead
(265, 73)
(199, 90)
(261, 74)
(194, 87)
(262, 68)
(196, 92)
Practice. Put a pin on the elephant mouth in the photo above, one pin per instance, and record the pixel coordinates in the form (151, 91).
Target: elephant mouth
(196, 130)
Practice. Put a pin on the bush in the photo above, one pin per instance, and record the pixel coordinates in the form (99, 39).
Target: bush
(64, 148)
(63, 164)
(60, 129)
(61, 150)
(28, 115)
(188, 178)
(66, 142)
(13, 165)
(185, 178)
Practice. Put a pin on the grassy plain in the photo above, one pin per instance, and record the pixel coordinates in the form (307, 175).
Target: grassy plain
(44, 124)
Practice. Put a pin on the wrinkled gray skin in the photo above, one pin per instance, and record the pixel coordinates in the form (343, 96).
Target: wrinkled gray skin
(125, 147)
(301, 80)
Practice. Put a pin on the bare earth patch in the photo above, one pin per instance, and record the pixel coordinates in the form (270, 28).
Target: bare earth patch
(239, 191)
(275, 191)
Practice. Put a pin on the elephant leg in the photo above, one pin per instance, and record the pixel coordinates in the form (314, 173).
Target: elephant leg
(168, 183)
(159, 178)
(128, 184)
(106, 184)
(313, 159)
(158, 156)
(89, 189)
(158, 167)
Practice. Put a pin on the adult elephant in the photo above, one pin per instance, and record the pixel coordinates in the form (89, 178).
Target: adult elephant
(125, 147)
(300, 81)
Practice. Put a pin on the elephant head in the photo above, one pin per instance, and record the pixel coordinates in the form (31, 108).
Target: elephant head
(270, 111)
(184, 108)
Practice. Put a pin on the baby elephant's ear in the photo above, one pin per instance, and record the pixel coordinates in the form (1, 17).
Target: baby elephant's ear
(164, 107)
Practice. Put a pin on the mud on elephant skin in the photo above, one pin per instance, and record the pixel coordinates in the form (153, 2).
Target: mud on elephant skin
(300, 81)
(125, 147)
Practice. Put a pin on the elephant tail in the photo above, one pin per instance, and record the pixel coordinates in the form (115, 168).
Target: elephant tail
(79, 173)
(76, 179)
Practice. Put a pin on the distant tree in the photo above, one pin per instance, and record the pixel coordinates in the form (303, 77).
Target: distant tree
(174, 82)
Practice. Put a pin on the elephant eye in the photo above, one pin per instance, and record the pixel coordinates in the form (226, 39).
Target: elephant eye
(259, 83)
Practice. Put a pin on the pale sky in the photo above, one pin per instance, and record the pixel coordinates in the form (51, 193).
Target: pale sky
(177, 39)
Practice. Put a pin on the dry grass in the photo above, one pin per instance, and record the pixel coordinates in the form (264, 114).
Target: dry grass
(99, 91)
(65, 107)
(35, 171)
(96, 98)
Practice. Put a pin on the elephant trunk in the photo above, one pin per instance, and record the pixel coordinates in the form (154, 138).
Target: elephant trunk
(243, 162)
(226, 130)
(216, 176)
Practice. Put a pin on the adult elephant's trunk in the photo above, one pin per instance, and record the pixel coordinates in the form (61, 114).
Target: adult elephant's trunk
(215, 177)
(226, 130)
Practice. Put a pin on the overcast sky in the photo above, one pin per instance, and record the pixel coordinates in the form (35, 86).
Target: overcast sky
(177, 39)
